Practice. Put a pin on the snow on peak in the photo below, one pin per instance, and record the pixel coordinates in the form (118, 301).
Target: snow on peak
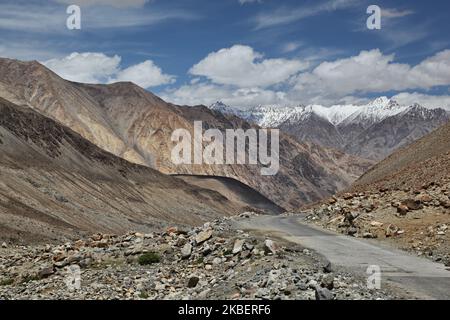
(219, 106)
(273, 116)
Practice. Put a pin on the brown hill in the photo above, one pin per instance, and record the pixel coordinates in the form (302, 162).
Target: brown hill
(134, 124)
(55, 184)
(422, 162)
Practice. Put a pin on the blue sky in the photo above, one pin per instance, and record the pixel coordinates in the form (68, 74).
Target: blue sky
(242, 52)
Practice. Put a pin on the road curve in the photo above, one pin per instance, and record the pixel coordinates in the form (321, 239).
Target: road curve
(419, 276)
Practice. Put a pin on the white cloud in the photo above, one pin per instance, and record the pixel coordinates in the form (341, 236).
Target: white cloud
(145, 74)
(243, 67)
(207, 94)
(91, 67)
(429, 101)
(114, 3)
(241, 77)
(371, 72)
(88, 67)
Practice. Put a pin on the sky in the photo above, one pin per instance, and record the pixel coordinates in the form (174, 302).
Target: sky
(242, 52)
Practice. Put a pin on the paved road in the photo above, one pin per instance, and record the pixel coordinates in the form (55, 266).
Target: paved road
(419, 276)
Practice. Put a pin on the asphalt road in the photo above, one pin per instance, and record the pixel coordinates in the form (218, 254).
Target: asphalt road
(418, 276)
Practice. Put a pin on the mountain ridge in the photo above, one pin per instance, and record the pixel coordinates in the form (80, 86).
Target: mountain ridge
(136, 125)
(358, 130)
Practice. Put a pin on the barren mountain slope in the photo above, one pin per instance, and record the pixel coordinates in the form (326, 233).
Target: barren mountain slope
(134, 124)
(405, 199)
(385, 137)
(424, 161)
(55, 184)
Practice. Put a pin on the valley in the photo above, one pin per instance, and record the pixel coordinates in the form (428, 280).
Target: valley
(91, 166)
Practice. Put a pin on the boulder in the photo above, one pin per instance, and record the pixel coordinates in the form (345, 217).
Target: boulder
(192, 282)
(328, 281)
(202, 236)
(402, 210)
(270, 246)
(323, 294)
(412, 204)
(238, 244)
(186, 251)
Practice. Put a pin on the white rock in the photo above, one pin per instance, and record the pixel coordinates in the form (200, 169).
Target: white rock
(270, 246)
(238, 244)
(203, 236)
(186, 251)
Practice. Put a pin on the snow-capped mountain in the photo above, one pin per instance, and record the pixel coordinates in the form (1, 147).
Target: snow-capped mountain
(373, 130)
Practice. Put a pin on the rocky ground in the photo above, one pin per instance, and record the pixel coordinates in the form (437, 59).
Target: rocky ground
(209, 262)
(414, 219)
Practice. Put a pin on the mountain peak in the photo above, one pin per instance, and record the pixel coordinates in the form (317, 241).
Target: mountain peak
(219, 106)
(380, 101)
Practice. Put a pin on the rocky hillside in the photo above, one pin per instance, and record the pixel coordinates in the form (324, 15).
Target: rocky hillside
(404, 199)
(420, 163)
(371, 131)
(210, 262)
(136, 125)
(55, 185)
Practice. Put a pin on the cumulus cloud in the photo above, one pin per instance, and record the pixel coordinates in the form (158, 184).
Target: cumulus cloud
(92, 67)
(241, 66)
(429, 101)
(88, 67)
(207, 94)
(145, 74)
(371, 72)
(242, 77)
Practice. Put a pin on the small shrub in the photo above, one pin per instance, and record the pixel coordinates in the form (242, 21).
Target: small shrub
(200, 260)
(143, 295)
(6, 282)
(149, 258)
(30, 278)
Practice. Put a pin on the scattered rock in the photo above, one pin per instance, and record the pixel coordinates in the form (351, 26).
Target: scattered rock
(412, 204)
(238, 244)
(46, 272)
(392, 230)
(203, 236)
(376, 224)
(192, 282)
(270, 246)
(347, 196)
(186, 251)
(402, 210)
(327, 268)
(208, 270)
(323, 294)
(328, 281)
(369, 235)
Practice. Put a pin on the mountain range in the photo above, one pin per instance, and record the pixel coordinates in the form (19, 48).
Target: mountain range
(371, 131)
(54, 184)
(132, 123)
